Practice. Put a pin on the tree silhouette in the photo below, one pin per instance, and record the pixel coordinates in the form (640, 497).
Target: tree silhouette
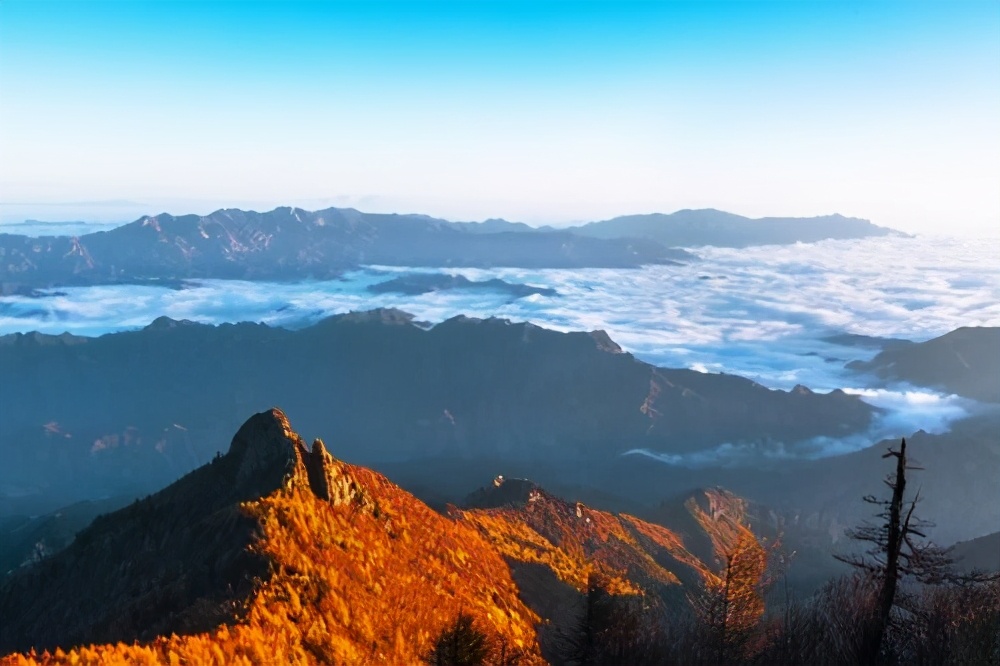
(612, 629)
(898, 549)
(730, 608)
(461, 644)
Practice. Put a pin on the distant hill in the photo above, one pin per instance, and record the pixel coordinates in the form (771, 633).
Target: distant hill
(982, 553)
(965, 361)
(26, 539)
(277, 550)
(691, 228)
(424, 283)
(291, 244)
(127, 410)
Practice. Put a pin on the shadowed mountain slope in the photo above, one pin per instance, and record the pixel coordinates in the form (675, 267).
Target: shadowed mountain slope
(176, 561)
(965, 361)
(25, 539)
(982, 553)
(135, 410)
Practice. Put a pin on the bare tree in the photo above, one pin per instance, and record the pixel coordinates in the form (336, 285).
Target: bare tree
(899, 549)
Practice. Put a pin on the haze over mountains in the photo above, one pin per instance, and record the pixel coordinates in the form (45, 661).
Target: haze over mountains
(124, 411)
(290, 243)
(694, 460)
(442, 408)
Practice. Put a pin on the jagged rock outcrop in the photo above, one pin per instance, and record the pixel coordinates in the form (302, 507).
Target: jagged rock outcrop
(176, 561)
(504, 492)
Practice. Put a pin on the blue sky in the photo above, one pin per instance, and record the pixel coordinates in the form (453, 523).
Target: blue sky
(539, 111)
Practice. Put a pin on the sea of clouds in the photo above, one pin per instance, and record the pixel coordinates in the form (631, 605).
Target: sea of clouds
(762, 312)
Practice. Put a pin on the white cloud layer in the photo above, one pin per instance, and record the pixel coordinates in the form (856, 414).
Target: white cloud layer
(904, 410)
(758, 312)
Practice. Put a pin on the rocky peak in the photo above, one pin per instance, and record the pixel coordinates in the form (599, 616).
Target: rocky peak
(203, 563)
(265, 443)
(164, 322)
(393, 316)
(327, 478)
(266, 448)
(604, 342)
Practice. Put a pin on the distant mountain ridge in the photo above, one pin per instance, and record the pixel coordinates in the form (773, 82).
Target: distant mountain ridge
(691, 228)
(294, 244)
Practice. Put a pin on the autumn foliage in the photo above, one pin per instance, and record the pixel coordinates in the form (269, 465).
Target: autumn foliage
(361, 572)
(357, 571)
(629, 555)
(369, 576)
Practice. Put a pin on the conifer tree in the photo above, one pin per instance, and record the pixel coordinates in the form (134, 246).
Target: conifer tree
(461, 644)
(730, 608)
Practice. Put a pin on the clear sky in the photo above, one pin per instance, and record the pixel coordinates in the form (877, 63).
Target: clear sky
(537, 111)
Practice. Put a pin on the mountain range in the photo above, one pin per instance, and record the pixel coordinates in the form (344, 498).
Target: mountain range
(278, 548)
(89, 417)
(294, 244)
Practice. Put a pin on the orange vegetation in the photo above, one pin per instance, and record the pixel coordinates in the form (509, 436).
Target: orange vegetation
(577, 542)
(723, 517)
(361, 572)
(371, 575)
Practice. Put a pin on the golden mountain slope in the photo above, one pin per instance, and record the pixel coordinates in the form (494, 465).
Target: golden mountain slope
(361, 572)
